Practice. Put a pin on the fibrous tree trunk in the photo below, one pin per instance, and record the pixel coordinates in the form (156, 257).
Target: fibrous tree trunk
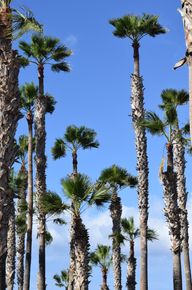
(21, 230)
(137, 104)
(9, 115)
(186, 13)
(11, 249)
(81, 245)
(104, 279)
(30, 204)
(40, 160)
(179, 167)
(116, 212)
(171, 211)
(131, 269)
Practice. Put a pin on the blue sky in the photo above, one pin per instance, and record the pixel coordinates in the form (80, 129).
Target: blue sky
(96, 93)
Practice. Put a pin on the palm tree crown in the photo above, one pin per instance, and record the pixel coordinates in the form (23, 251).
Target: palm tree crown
(102, 256)
(46, 50)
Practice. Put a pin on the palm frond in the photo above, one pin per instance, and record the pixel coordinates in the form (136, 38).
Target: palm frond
(153, 124)
(28, 94)
(50, 104)
(51, 204)
(151, 235)
(102, 256)
(62, 66)
(59, 149)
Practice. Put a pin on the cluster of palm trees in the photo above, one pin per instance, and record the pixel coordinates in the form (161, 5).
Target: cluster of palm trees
(20, 205)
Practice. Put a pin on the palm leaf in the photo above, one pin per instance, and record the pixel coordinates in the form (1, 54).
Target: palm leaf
(59, 149)
(153, 124)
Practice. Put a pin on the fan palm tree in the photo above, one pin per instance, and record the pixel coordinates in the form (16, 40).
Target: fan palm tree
(165, 127)
(118, 178)
(171, 100)
(185, 12)
(43, 51)
(82, 194)
(135, 28)
(11, 21)
(130, 233)
(74, 139)
(28, 95)
(102, 257)
(62, 280)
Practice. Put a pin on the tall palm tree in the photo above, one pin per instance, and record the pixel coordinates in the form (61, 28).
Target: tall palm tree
(28, 95)
(9, 62)
(185, 12)
(82, 194)
(62, 280)
(102, 257)
(165, 127)
(135, 28)
(130, 233)
(74, 139)
(118, 178)
(43, 51)
(171, 100)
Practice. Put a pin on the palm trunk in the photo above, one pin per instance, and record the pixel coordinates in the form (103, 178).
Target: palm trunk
(40, 135)
(179, 167)
(30, 204)
(171, 211)
(116, 212)
(137, 104)
(81, 245)
(21, 232)
(187, 21)
(9, 108)
(11, 249)
(104, 278)
(131, 269)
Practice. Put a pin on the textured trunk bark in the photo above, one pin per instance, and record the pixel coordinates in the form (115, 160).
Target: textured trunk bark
(11, 249)
(104, 280)
(186, 13)
(137, 104)
(171, 211)
(9, 108)
(21, 234)
(30, 204)
(116, 212)
(179, 167)
(131, 269)
(136, 58)
(81, 276)
(40, 135)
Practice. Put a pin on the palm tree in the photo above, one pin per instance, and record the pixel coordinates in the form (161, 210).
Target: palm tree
(165, 127)
(102, 257)
(171, 100)
(62, 280)
(135, 28)
(9, 62)
(75, 138)
(130, 233)
(118, 178)
(82, 194)
(185, 12)
(43, 51)
(28, 95)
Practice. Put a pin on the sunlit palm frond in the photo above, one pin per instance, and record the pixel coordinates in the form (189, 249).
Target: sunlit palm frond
(153, 124)
(59, 149)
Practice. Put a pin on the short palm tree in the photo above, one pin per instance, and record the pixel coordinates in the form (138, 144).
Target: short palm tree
(82, 194)
(74, 139)
(165, 127)
(117, 178)
(11, 21)
(171, 100)
(28, 95)
(62, 280)
(43, 51)
(102, 257)
(130, 233)
(135, 28)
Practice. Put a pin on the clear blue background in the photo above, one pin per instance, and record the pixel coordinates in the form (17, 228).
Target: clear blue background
(96, 93)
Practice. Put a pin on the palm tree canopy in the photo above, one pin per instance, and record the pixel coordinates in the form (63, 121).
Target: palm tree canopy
(23, 147)
(28, 94)
(102, 256)
(116, 176)
(171, 97)
(81, 191)
(129, 230)
(74, 139)
(136, 27)
(46, 50)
